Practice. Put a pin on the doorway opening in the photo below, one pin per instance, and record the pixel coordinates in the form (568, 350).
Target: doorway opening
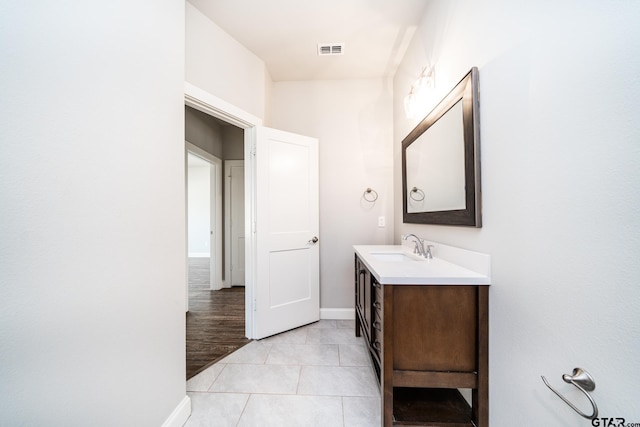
(215, 318)
(212, 106)
(274, 160)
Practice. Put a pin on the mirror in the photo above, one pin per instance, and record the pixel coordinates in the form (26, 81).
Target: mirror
(441, 161)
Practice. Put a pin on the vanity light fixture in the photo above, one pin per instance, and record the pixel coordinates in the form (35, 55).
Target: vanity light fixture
(425, 81)
(410, 104)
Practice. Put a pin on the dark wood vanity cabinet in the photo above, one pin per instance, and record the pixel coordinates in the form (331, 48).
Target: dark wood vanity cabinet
(426, 342)
(363, 298)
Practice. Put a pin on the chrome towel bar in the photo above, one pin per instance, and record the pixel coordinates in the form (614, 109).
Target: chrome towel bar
(585, 383)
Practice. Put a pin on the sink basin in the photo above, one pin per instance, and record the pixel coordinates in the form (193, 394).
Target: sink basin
(392, 257)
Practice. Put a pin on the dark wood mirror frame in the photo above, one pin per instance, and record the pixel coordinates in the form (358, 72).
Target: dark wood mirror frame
(467, 91)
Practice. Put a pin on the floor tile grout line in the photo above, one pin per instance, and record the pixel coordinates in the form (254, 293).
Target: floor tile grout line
(225, 392)
(299, 377)
(216, 377)
(244, 408)
(268, 353)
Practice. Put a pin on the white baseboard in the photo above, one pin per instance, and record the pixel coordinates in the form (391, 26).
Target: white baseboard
(180, 415)
(338, 313)
(199, 255)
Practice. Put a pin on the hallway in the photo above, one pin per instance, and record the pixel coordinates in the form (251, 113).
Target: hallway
(215, 321)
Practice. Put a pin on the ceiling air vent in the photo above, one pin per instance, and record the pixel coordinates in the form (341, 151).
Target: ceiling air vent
(330, 49)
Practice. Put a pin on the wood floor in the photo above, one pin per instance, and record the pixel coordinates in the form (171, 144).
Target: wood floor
(215, 320)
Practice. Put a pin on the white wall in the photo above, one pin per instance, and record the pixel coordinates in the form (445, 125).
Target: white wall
(198, 210)
(226, 142)
(353, 121)
(220, 65)
(559, 128)
(233, 147)
(92, 265)
(204, 131)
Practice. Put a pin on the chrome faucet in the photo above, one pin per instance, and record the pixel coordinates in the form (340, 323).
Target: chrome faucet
(419, 246)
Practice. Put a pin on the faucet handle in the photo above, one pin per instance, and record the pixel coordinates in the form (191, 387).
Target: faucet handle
(429, 255)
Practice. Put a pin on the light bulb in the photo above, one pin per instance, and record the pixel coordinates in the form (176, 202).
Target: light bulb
(426, 80)
(410, 105)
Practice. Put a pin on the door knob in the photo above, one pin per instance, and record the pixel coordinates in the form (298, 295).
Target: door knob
(314, 240)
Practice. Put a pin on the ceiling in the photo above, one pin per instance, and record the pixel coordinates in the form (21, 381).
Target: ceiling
(285, 34)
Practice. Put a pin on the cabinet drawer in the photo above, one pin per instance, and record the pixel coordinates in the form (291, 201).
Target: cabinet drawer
(376, 334)
(377, 309)
(376, 343)
(377, 325)
(376, 318)
(377, 290)
(377, 298)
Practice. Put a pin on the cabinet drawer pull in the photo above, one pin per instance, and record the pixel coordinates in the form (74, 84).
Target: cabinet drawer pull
(377, 325)
(377, 305)
(377, 345)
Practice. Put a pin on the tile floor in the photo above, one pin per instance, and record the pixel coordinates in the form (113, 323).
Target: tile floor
(316, 375)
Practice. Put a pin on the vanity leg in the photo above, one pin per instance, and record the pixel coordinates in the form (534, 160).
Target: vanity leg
(481, 394)
(357, 294)
(386, 381)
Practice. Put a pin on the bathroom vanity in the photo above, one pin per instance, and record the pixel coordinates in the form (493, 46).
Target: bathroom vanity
(425, 322)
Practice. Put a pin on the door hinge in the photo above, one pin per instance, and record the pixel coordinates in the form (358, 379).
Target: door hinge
(254, 304)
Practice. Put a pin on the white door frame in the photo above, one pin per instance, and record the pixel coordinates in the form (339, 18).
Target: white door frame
(216, 214)
(207, 103)
(228, 274)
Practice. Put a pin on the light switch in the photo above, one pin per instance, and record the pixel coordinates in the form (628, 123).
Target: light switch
(380, 221)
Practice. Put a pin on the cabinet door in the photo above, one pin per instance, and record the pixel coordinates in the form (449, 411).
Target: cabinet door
(360, 271)
(434, 328)
(367, 303)
(361, 290)
(363, 296)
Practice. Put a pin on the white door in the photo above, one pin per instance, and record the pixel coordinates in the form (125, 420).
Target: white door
(287, 286)
(234, 200)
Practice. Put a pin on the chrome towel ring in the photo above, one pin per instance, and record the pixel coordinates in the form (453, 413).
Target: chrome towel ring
(416, 194)
(370, 195)
(585, 383)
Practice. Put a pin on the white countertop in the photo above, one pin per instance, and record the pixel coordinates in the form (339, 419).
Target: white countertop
(417, 270)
